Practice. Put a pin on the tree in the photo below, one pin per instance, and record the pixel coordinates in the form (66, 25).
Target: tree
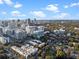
(60, 54)
(76, 47)
(72, 39)
(49, 54)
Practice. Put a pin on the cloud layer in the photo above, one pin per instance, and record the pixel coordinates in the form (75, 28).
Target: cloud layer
(53, 8)
(16, 8)
(72, 5)
(17, 13)
(17, 5)
(38, 13)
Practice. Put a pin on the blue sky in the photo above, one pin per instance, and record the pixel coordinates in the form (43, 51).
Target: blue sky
(40, 9)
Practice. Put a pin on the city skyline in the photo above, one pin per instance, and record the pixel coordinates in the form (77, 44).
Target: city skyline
(39, 9)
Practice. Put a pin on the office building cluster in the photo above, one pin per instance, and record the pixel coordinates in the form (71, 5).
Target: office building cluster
(18, 30)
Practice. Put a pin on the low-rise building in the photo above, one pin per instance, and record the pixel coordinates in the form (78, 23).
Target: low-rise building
(37, 43)
(25, 50)
(30, 29)
(38, 33)
(4, 40)
(59, 31)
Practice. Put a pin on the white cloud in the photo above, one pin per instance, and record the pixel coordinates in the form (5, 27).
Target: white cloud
(4, 13)
(38, 13)
(66, 6)
(11, 3)
(72, 5)
(61, 16)
(17, 5)
(8, 2)
(1, 1)
(22, 15)
(17, 13)
(53, 8)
